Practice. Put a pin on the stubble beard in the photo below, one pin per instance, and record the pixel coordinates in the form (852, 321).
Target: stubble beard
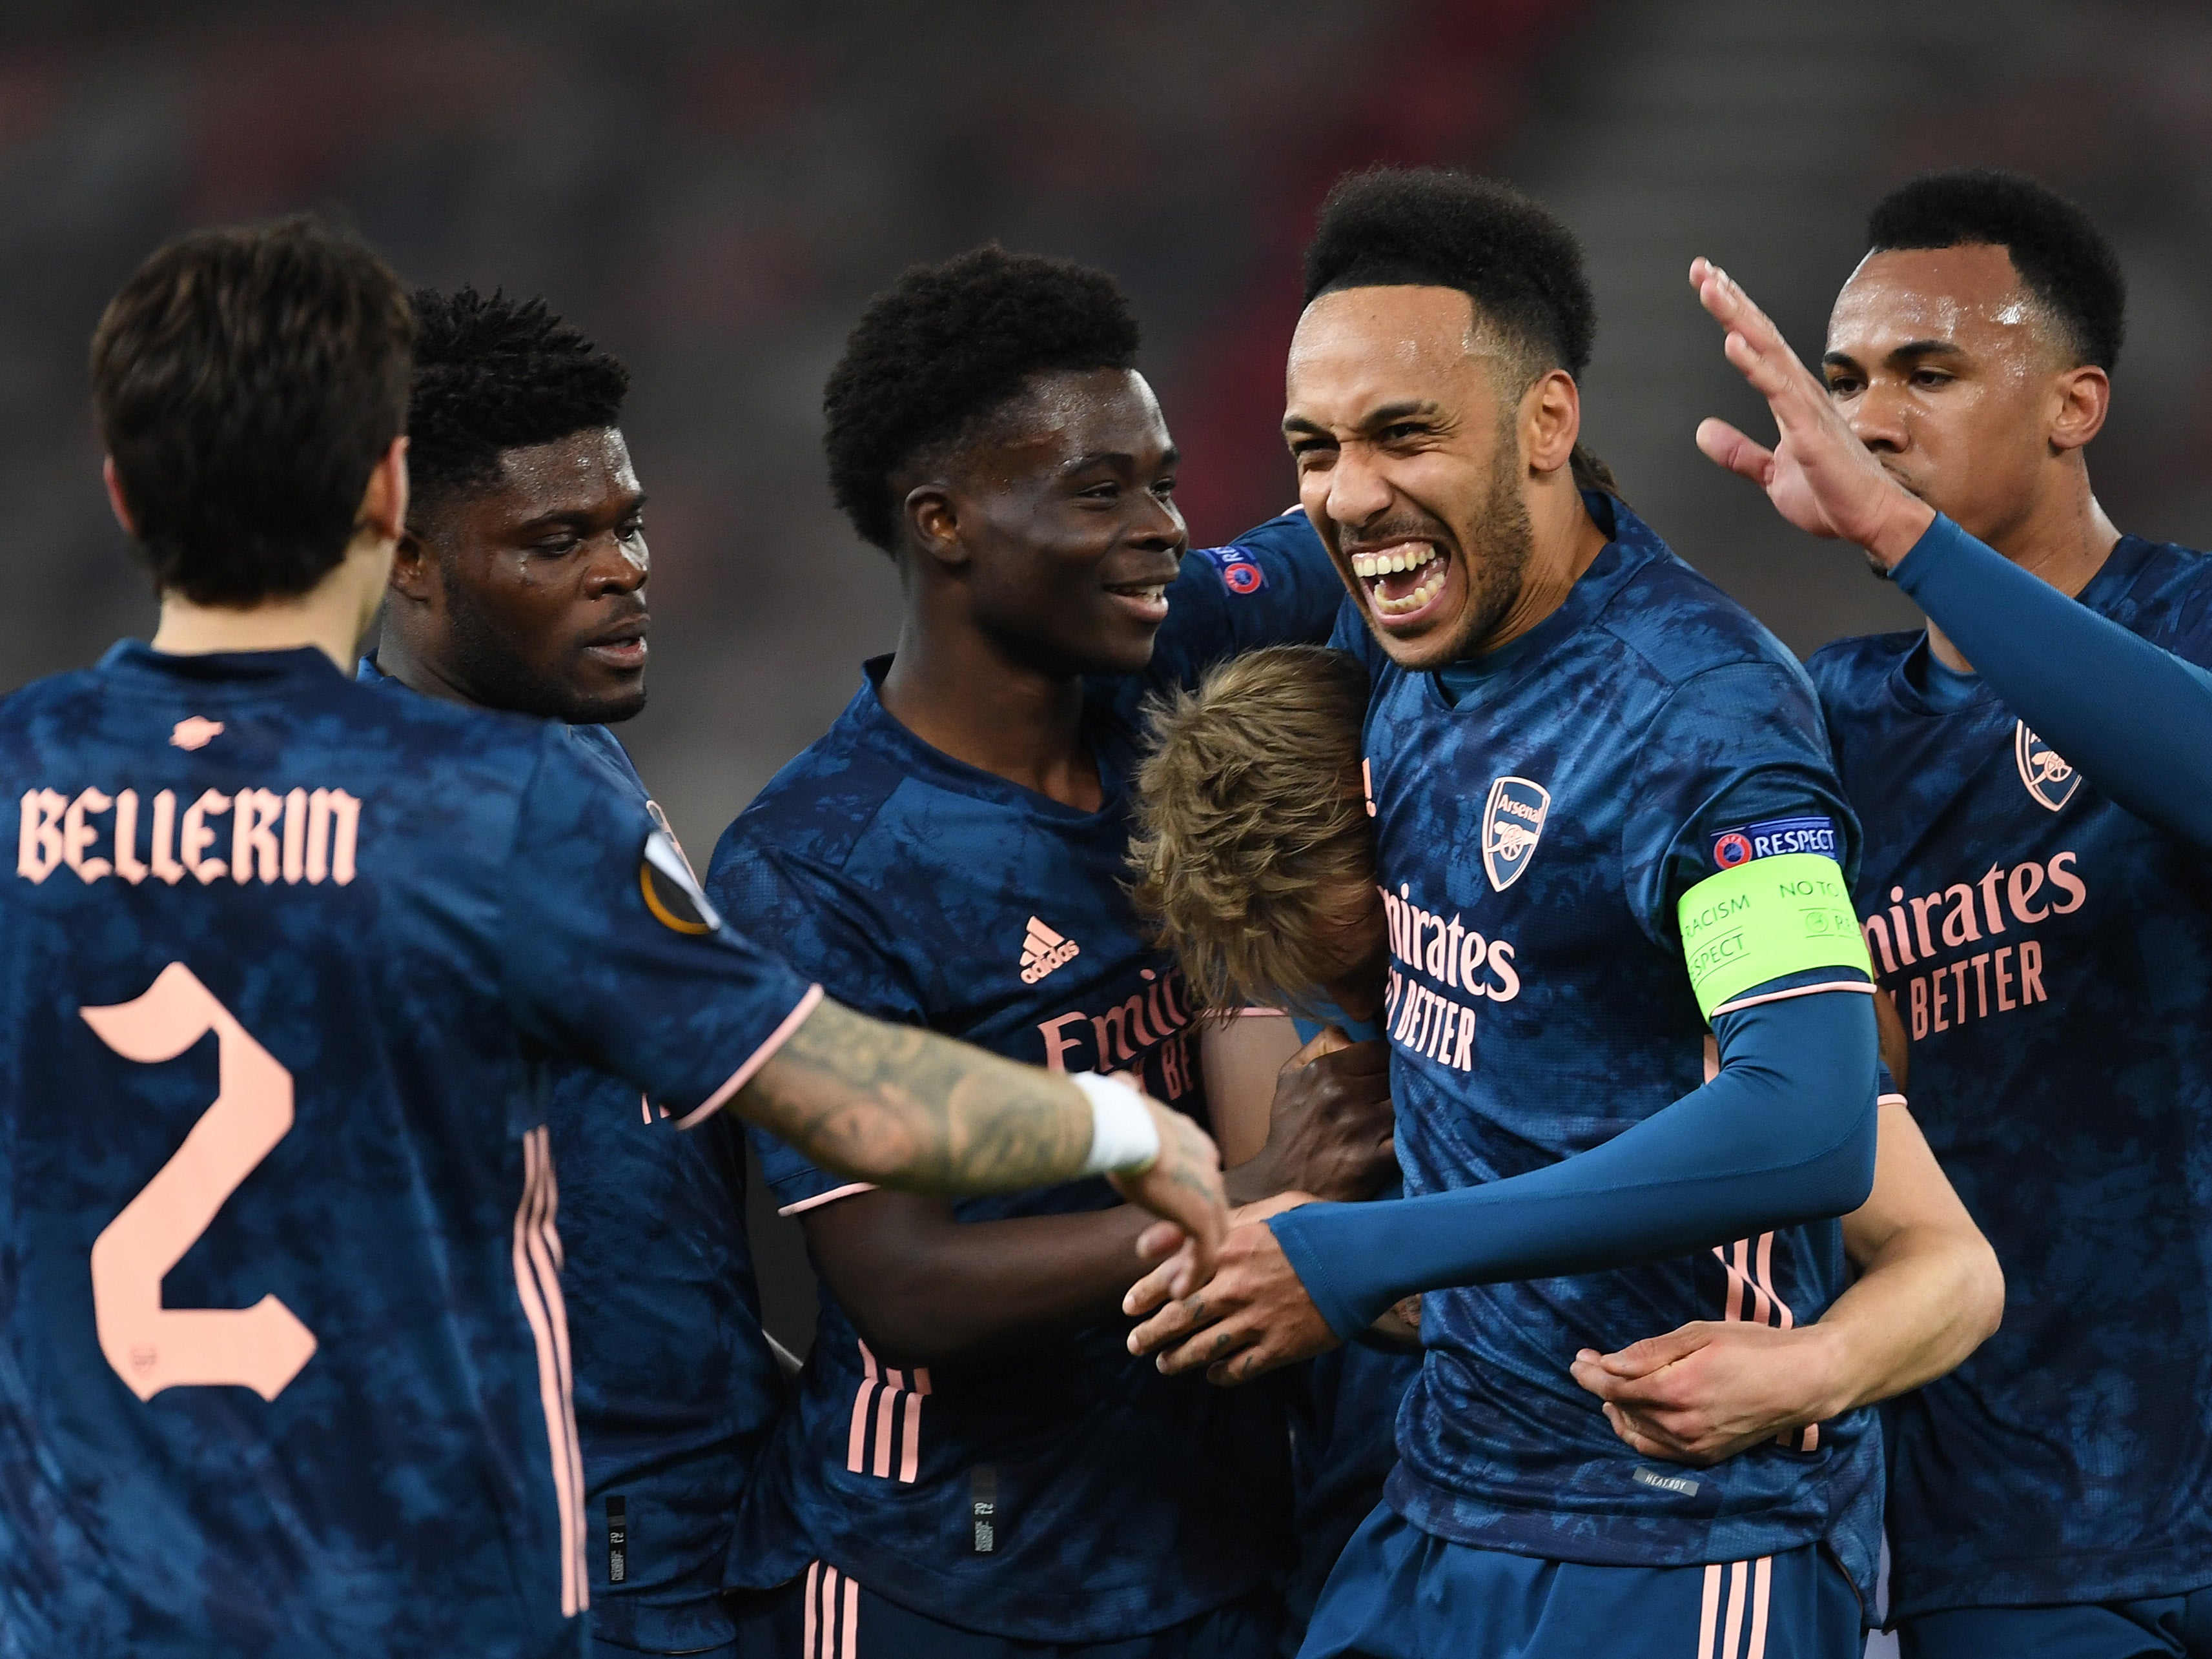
(1495, 552)
(496, 676)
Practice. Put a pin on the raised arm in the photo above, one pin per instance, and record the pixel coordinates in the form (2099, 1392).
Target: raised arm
(1929, 1293)
(2137, 720)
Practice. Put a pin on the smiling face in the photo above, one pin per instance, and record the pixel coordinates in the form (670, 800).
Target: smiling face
(1058, 523)
(1959, 382)
(1404, 431)
(528, 593)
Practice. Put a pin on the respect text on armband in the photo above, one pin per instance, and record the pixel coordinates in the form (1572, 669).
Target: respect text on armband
(295, 836)
(1764, 918)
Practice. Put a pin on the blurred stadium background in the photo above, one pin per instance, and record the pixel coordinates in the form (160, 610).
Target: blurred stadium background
(715, 190)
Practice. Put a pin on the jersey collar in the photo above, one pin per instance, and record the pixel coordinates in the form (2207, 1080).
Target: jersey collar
(1924, 686)
(299, 664)
(933, 765)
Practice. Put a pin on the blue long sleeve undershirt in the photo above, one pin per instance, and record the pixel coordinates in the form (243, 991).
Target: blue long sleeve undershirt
(2137, 720)
(1784, 1134)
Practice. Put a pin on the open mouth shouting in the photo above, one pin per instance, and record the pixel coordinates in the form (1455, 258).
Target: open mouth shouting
(1404, 581)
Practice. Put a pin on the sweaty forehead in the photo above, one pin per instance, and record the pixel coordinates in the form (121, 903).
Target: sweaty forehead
(1362, 347)
(580, 473)
(1969, 296)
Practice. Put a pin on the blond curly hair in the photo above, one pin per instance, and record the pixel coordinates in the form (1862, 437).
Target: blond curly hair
(1252, 823)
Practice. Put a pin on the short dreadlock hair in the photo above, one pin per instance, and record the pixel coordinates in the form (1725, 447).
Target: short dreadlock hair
(2063, 261)
(943, 349)
(1252, 823)
(1441, 228)
(492, 375)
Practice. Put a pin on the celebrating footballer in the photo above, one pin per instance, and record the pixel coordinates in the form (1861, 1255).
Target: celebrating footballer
(1408, 1084)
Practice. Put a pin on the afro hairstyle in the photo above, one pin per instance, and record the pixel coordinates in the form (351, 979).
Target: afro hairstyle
(1440, 227)
(2062, 257)
(944, 347)
(493, 374)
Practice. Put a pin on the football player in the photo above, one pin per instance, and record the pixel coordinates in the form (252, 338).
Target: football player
(521, 584)
(287, 963)
(1256, 857)
(2031, 772)
(977, 1466)
(1632, 1027)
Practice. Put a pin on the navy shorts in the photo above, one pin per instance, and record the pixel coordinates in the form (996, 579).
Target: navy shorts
(1398, 1593)
(824, 1614)
(2158, 1628)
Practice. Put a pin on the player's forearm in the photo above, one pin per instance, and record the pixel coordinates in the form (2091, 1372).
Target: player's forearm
(1928, 1298)
(942, 1291)
(906, 1109)
(2136, 720)
(962, 1292)
(1785, 1134)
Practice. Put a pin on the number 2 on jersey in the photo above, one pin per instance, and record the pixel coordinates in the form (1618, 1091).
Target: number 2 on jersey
(151, 1346)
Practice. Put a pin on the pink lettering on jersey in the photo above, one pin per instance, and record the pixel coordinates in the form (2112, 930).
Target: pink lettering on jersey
(39, 836)
(152, 1347)
(1129, 1037)
(296, 837)
(1972, 986)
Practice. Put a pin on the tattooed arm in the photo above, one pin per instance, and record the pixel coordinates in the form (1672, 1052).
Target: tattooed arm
(908, 1109)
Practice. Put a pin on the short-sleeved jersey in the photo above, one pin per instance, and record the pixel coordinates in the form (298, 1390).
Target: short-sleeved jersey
(675, 1387)
(286, 963)
(1068, 1492)
(2051, 957)
(1534, 840)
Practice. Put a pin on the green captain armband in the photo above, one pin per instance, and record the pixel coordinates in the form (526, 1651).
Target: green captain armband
(1768, 917)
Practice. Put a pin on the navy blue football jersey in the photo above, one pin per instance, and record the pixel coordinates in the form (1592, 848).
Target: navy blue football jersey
(286, 965)
(2051, 957)
(1534, 837)
(1344, 1422)
(1070, 1493)
(675, 1387)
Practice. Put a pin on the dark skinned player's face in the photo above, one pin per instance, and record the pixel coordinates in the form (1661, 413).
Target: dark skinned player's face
(531, 589)
(1062, 526)
(1409, 465)
(1945, 369)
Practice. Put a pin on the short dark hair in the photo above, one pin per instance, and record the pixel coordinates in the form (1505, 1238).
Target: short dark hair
(493, 374)
(247, 382)
(944, 347)
(1440, 227)
(2063, 260)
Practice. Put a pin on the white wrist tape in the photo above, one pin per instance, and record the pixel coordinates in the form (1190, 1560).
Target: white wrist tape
(1124, 1139)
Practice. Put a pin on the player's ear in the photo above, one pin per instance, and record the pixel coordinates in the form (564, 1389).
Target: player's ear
(410, 567)
(1551, 421)
(2083, 396)
(932, 522)
(116, 504)
(383, 510)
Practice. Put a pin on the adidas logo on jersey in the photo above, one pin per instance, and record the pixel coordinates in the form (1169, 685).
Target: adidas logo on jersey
(1042, 951)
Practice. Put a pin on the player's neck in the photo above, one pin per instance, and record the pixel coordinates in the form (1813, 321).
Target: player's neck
(1565, 542)
(957, 693)
(2063, 540)
(331, 617)
(396, 655)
